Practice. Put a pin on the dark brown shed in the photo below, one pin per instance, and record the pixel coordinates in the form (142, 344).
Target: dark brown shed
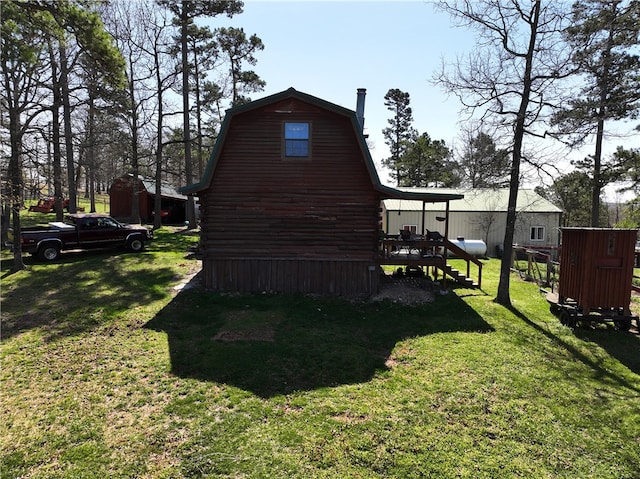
(121, 200)
(290, 200)
(596, 268)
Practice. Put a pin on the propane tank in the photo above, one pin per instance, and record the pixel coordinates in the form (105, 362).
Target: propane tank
(476, 248)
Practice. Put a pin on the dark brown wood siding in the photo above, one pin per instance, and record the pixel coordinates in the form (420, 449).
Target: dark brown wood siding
(121, 199)
(596, 267)
(262, 206)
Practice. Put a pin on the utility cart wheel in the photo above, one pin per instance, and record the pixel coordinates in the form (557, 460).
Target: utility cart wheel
(568, 319)
(622, 324)
(564, 316)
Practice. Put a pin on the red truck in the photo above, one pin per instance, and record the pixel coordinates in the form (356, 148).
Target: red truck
(81, 231)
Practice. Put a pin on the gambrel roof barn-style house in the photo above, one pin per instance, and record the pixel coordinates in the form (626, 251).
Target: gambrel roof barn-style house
(290, 200)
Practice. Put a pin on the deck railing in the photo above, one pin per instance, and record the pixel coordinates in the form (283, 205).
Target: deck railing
(462, 254)
(421, 251)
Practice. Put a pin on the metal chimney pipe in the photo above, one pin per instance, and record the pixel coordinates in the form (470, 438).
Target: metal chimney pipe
(360, 106)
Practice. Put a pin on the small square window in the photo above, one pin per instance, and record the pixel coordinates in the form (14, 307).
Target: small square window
(296, 140)
(537, 233)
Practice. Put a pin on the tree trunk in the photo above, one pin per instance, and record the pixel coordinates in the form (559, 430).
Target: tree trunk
(16, 185)
(191, 216)
(4, 222)
(54, 137)
(196, 74)
(605, 88)
(597, 181)
(68, 139)
(135, 168)
(91, 160)
(504, 297)
(157, 202)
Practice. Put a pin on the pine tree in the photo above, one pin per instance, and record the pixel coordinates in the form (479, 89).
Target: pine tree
(428, 163)
(604, 36)
(185, 15)
(482, 163)
(399, 133)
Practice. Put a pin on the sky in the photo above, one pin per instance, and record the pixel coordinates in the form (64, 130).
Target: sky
(329, 49)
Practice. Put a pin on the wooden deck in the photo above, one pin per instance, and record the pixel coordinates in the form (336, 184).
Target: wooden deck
(430, 253)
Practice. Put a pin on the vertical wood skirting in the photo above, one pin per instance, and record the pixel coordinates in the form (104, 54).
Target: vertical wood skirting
(326, 277)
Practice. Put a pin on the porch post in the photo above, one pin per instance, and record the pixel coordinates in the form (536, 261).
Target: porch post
(446, 222)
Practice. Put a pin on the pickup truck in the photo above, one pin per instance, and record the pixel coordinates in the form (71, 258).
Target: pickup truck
(81, 231)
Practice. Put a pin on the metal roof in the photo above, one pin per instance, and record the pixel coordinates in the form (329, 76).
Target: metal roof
(476, 199)
(166, 191)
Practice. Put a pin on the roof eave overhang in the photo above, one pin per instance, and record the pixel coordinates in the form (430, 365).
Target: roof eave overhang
(393, 193)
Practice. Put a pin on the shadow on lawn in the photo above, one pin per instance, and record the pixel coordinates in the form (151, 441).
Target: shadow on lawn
(621, 345)
(277, 344)
(80, 291)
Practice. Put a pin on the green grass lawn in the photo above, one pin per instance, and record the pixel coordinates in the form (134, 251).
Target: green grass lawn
(109, 372)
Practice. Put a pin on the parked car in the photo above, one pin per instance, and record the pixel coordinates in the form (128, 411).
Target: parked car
(80, 231)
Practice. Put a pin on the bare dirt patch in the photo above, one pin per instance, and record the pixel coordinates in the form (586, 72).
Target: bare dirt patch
(409, 291)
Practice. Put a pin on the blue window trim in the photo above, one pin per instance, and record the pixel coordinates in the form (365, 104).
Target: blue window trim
(297, 139)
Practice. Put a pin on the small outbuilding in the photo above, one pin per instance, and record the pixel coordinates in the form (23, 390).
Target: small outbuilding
(290, 200)
(121, 194)
(596, 268)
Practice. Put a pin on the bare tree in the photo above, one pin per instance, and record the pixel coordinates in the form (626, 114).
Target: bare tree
(185, 14)
(128, 22)
(166, 75)
(508, 79)
(21, 99)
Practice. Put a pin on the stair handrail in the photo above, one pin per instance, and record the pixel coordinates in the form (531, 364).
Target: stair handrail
(462, 254)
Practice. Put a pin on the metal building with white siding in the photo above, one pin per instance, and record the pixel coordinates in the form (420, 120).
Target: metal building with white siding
(480, 215)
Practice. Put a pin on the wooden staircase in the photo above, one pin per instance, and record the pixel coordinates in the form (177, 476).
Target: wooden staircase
(461, 278)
